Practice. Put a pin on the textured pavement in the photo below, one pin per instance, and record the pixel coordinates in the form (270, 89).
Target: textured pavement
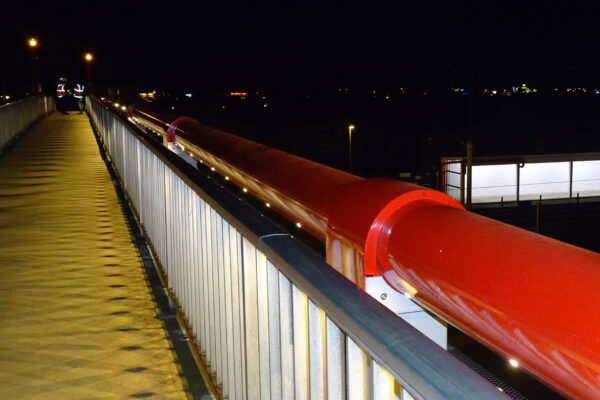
(77, 319)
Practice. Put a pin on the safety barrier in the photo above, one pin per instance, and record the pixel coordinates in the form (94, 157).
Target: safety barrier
(16, 117)
(493, 281)
(270, 317)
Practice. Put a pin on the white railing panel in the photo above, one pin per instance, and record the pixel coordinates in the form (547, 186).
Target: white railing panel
(252, 325)
(18, 116)
(336, 361)
(300, 335)
(274, 330)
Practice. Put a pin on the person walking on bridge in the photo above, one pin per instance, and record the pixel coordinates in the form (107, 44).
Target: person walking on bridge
(61, 95)
(78, 96)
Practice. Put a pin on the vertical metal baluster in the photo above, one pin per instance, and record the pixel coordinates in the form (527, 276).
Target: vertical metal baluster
(217, 259)
(336, 362)
(317, 352)
(274, 331)
(237, 305)
(229, 380)
(209, 285)
(286, 327)
(205, 266)
(300, 324)
(383, 383)
(357, 367)
(251, 321)
(220, 299)
(263, 325)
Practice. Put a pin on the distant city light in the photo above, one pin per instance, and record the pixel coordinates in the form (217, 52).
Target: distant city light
(234, 94)
(32, 42)
(123, 108)
(89, 57)
(188, 95)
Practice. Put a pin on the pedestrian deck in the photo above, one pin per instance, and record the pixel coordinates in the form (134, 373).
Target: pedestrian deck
(77, 317)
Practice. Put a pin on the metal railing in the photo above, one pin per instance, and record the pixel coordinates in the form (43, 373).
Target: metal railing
(270, 317)
(18, 116)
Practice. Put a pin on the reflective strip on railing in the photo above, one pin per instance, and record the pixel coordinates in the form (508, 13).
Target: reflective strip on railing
(16, 117)
(271, 319)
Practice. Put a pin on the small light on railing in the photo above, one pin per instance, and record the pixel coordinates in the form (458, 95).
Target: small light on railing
(191, 155)
(212, 168)
(407, 295)
(268, 204)
(226, 178)
(245, 190)
(298, 224)
(500, 389)
(513, 363)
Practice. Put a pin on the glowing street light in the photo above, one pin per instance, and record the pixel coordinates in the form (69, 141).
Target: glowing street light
(88, 57)
(37, 87)
(350, 129)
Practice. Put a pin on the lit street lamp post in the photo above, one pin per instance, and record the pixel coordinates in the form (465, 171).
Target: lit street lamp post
(88, 62)
(350, 129)
(36, 86)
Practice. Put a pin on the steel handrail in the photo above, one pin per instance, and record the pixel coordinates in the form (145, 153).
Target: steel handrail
(526, 296)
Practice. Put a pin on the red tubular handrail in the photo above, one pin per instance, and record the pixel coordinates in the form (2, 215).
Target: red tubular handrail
(526, 296)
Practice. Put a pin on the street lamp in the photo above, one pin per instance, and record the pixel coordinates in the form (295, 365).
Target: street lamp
(88, 57)
(37, 87)
(350, 129)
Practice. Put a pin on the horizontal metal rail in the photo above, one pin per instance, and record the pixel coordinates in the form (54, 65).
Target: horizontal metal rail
(493, 281)
(271, 318)
(16, 117)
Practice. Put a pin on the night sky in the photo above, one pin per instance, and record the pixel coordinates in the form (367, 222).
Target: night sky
(305, 44)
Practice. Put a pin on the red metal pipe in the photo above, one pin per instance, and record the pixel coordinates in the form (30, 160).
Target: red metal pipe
(526, 296)
(259, 168)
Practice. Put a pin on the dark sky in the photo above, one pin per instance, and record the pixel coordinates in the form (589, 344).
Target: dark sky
(305, 44)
